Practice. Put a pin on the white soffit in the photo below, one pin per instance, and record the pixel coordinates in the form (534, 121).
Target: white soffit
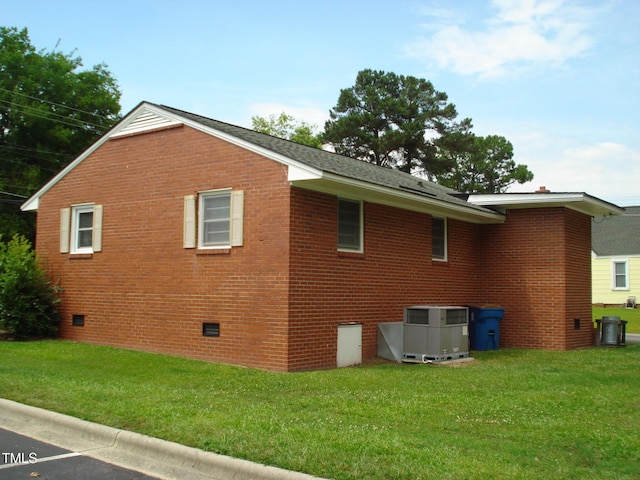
(580, 202)
(359, 190)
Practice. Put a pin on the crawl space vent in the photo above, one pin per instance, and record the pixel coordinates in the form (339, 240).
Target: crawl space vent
(211, 329)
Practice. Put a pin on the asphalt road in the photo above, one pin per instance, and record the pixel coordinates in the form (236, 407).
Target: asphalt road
(22, 458)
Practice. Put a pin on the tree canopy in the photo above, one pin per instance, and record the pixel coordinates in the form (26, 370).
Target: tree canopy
(487, 166)
(392, 120)
(404, 122)
(50, 110)
(287, 127)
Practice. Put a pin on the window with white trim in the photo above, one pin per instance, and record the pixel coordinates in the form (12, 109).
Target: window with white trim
(439, 238)
(349, 225)
(214, 219)
(81, 229)
(620, 274)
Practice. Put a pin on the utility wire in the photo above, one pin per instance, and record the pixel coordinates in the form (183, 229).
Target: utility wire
(52, 103)
(33, 152)
(24, 164)
(12, 201)
(13, 194)
(24, 109)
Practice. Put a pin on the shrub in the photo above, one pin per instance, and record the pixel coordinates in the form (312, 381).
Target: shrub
(28, 300)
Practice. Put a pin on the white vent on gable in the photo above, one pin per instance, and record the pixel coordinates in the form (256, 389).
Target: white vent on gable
(144, 121)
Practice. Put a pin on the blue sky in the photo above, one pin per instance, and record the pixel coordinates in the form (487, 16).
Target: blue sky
(559, 79)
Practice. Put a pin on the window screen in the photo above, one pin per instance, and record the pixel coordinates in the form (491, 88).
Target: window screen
(349, 225)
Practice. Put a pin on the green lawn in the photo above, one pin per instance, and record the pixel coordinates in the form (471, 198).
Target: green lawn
(510, 414)
(632, 316)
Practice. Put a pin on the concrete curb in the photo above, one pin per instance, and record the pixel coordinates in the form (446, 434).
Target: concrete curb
(151, 456)
(632, 338)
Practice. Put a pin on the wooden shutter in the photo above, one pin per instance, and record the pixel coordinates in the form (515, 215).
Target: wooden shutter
(65, 225)
(97, 228)
(237, 218)
(189, 239)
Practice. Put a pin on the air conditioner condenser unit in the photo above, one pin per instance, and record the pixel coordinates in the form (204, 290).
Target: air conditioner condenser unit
(435, 333)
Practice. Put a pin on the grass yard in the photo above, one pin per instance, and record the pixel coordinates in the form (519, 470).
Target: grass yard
(510, 414)
(632, 316)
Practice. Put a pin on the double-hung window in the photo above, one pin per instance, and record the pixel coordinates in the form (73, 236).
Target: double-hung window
(81, 229)
(214, 219)
(439, 238)
(349, 225)
(620, 275)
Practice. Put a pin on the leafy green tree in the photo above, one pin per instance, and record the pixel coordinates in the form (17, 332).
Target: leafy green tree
(394, 121)
(28, 300)
(486, 165)
(50, 111)
(285, 126)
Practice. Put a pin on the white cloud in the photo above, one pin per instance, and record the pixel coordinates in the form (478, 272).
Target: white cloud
(606, 170)
(522, 33)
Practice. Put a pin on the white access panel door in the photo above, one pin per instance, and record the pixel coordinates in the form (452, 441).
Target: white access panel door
(349, 345)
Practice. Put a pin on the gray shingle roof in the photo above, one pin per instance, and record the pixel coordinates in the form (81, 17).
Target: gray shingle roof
(618, 235)
(334, 163)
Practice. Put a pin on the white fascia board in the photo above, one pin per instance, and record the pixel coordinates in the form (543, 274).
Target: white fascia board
(298, 173)
(580, 202)
(523, 200)
(358, 190)
(33, 202)
(614, 257)
(304, 176)
(296, 170)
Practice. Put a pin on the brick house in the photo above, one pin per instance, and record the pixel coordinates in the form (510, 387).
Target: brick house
(179, 234)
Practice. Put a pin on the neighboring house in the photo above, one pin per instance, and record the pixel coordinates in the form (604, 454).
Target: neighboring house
(615, 260)
(179, 234)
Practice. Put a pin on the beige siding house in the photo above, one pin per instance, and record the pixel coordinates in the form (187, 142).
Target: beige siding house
(615, 258)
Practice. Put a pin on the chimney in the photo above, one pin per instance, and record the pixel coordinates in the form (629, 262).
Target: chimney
(543, 189)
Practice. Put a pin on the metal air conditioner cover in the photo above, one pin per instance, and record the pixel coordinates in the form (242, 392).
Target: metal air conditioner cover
(435, 333)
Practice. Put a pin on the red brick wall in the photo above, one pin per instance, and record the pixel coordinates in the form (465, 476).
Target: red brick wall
(144, 290)
(578, 285)
(330, 287)
(280, 297)
(537, 266)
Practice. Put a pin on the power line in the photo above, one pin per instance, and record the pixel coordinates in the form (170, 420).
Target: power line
(24, 164)
(13, 194)
(61, 118)
(52, 103)
(34, 152)
(12, 201)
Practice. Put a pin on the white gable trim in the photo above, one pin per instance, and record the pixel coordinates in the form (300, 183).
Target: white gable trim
(297, 170)
(614, 257)
(145, 120)
(147, 117)
(33, 203)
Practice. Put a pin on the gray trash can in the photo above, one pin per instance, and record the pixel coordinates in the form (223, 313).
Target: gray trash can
(611, 332)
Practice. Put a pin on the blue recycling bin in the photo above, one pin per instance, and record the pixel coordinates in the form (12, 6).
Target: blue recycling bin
(484, 328)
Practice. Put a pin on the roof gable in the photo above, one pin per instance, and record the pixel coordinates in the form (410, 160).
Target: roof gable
(308, 167)
(145, 120)
(321, 170)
